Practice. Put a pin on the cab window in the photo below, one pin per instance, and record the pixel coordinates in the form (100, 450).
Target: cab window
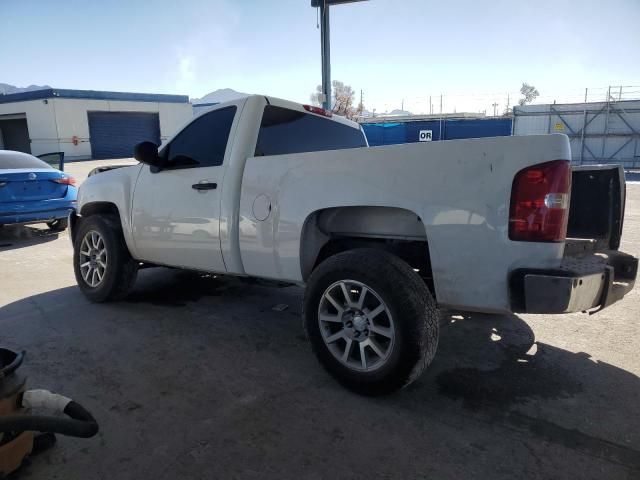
(285, 131)
(202, 143)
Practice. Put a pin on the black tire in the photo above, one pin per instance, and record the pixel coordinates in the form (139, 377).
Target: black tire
(121, 268)
(58, 225)
(411, 305)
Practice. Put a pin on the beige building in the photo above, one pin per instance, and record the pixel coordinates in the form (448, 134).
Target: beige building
(88, 124)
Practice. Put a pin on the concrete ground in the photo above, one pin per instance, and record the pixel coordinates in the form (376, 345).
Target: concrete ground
(201, 377)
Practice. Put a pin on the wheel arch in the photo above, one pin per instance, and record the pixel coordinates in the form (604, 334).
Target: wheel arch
(94, 208)
(400, 231)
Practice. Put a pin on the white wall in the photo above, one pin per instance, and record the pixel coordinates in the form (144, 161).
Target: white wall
(40, 122)
(52, 125)
(173, 116)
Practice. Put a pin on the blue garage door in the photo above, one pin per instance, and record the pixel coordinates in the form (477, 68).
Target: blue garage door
(114, 134)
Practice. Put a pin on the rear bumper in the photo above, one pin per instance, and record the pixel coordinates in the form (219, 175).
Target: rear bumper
(579, 284)
(36, 216)
(38, 211)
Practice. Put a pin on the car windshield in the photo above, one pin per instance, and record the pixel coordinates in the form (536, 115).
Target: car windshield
(13, 162)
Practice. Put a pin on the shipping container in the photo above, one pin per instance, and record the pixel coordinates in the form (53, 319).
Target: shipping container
(389, 132)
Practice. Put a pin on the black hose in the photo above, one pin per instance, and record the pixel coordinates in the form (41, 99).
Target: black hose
(10, 361)
(80, 424)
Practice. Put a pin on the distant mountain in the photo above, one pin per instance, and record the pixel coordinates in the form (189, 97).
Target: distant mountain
(397, 111)
(6, 89)
(219, 96)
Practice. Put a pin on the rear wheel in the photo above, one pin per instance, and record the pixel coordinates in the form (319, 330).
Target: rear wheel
(102, 264)
(372, 321)
(58, 225)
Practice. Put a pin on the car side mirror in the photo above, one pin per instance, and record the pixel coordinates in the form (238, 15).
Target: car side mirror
(147, 153)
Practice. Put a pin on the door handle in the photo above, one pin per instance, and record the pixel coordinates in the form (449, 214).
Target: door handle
(204, 186)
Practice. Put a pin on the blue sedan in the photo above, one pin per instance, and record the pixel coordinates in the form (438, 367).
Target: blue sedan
(33, 191)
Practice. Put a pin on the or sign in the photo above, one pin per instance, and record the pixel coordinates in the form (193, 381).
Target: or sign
(425, 135)
(559, 127)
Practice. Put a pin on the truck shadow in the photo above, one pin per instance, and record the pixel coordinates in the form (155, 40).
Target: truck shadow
(489, 370)
(21, 236)
(494, 366)
(495, 360)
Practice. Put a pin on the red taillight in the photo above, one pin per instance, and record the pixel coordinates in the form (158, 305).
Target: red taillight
(540, 203)
(66, 181)
(318, 110)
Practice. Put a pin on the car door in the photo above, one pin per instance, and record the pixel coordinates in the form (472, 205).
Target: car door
(176, 208)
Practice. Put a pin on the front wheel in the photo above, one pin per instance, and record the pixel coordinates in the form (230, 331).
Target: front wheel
(372, 321)
(102, 264)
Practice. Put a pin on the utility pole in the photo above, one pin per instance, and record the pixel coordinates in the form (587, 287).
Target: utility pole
(430, 106)
(326, 46)
(508, 102)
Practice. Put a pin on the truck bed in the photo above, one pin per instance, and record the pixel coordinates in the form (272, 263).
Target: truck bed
(457, 191)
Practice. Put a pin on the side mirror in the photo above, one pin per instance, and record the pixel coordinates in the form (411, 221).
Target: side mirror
(147, 153)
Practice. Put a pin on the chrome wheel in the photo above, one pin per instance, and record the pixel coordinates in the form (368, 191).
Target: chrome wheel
(356, 325)
(93, 258)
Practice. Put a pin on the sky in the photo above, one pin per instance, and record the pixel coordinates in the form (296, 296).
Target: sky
(398, 52)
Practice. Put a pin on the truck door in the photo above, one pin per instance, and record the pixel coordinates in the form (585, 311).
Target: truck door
(176, 208)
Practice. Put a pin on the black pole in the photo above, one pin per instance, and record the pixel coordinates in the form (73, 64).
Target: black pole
(326, 54)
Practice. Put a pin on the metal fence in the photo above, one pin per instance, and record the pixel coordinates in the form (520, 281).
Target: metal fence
(600, 132)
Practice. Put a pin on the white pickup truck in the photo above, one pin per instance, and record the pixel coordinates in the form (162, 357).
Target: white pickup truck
(381, 237)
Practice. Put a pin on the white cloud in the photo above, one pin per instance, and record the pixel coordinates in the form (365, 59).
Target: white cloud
(206, 51)
(186, 72)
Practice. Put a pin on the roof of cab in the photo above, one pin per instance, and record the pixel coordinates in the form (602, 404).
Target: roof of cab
(299, 106)
(280, 102)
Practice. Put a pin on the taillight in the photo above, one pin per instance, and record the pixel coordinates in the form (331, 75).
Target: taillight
(318, 110)
(540, 203)
(66, 181)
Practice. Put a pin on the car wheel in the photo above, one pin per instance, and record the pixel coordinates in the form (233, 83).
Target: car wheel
(372, 321)
(102, 264)
(58, 225)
